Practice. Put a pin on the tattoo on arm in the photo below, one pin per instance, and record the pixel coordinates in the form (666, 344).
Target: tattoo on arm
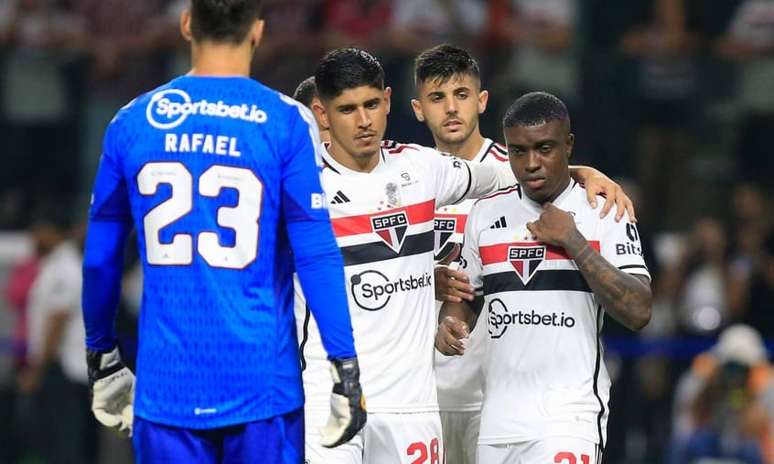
(626, 297)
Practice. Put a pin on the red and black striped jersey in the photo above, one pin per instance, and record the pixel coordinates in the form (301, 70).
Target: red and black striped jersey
(383, 221)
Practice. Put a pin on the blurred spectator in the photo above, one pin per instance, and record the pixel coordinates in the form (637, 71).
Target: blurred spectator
(759, 307)
(292, 42)
(662, 105)
(126, 39)
(542, 34)
(55, 378)
(17, 293)
(751, 223)
(749, 41)
(724, 404)
(357, 22)
(420, 24)
(697, 285)
(41, 39)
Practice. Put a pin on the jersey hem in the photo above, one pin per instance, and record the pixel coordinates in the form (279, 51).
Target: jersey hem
(471, 407)
(511, 439)
(400, 409)
(215, 424)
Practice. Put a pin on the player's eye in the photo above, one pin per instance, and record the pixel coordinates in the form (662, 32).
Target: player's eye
(516, 152)
(372, 105)
(436, 98)
(545, 148)
(462, 95)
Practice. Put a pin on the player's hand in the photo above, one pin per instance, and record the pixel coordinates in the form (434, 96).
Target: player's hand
(451, 335)
(112, 390)
(450, 284)
(600, 184)
(348, 409)
(554, 227)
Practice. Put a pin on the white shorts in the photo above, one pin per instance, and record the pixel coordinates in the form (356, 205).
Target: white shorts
(386, 438)
(460, 436)
(552, 450)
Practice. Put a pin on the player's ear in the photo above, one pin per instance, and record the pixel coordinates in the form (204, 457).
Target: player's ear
(185, 25)
(319, 113)
(322, 124)
(420, 115)
(483, 99)
(387, 95)
(256, 33)
(570, 144)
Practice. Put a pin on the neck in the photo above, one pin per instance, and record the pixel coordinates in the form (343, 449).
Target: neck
(221, 59)
(561, 188)
(365, 163)
(466, 149)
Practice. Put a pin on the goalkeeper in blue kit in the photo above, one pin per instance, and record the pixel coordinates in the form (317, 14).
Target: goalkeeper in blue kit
(219, 175)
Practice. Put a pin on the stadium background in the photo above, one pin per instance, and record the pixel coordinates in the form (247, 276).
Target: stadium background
(675, 98)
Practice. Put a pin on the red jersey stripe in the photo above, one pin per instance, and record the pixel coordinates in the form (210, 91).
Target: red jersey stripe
(493, 254)
(354, 225)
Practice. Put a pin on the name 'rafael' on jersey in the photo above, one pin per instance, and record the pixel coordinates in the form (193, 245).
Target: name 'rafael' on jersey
(544, 370)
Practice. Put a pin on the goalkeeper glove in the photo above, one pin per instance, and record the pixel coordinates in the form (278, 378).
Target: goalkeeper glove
(112, 390)
(348, 411)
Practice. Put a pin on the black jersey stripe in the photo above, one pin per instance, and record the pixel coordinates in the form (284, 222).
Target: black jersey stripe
(328, 165)
(380, 251)
(597, 368)
(548, 280)
(470, 183)
(633, 266)
(488, 149)
(305, 335)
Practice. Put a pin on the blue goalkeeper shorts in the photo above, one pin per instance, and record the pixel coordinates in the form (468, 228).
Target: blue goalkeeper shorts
(279, 440)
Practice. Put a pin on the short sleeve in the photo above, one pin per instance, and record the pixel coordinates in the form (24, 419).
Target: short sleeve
(471, 258)
(620, 245)
(453, 177)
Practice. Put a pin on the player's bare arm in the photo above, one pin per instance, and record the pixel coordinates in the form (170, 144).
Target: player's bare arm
(626, 297)
(452, 284)
(597, 183)
(455, 321)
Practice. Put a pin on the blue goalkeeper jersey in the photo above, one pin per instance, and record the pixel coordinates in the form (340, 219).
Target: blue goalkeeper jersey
(220, 178)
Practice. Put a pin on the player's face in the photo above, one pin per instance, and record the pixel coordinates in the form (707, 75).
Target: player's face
(539, 157)
(357, 120)
(451, 108)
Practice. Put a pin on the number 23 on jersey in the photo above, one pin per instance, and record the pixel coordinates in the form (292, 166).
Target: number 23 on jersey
(242, 218)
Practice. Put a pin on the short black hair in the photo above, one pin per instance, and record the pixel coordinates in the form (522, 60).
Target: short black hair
(347, 68)
(223, 20)
(536, 108)
(305, 92)
(442, 62)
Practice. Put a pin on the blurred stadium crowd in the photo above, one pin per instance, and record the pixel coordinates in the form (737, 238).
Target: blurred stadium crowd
(673, 97)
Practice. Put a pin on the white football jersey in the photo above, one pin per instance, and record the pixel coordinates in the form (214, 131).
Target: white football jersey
(460, 378)
(383, 222)
(544, 370)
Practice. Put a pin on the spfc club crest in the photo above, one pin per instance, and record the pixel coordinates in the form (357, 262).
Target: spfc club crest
(526, 260)
(444, 230)
(391, 228)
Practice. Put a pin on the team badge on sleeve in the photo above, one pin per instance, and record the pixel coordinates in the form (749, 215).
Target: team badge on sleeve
(526, 260)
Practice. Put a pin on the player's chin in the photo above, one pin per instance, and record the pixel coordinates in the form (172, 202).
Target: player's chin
(454, 136)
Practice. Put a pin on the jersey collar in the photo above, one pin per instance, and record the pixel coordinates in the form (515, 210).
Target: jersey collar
(557, 202)
(341, 169)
